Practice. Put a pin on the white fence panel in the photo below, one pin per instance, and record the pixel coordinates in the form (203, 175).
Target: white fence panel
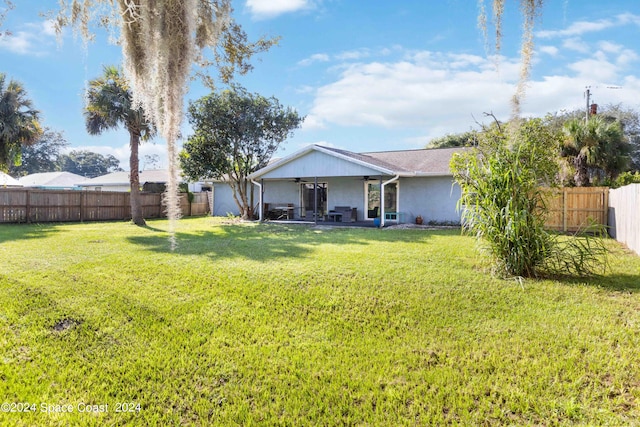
(624, 216)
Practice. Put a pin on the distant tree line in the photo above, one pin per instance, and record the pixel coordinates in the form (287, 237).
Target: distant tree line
(46, 155)
(605, 150)
(26, 147)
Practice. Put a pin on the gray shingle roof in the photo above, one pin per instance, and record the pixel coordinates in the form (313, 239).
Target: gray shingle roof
(422, 162)
(367, 158)
(431, 161)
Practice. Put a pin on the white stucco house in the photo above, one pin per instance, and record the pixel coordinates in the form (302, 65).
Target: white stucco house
(6, 181)
(150, 180)
(52, 180)
(326, 184)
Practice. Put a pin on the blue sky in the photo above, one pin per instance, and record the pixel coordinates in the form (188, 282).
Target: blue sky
(368, 76)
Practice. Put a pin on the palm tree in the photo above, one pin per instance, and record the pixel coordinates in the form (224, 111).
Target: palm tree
(18, 121)
(109, 105)
(596, 143)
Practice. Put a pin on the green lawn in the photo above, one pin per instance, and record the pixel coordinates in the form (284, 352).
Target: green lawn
(287, 325)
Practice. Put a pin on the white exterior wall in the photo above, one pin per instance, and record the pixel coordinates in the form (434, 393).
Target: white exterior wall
(340, 192)
(281, 192)
(435, 198)
(223, 203)
(122, 188)
(432, 197)
(346, 192)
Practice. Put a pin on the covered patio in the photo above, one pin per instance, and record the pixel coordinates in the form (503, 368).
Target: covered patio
(322, 185)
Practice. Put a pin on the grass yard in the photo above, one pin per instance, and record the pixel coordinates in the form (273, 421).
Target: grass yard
(248, 324)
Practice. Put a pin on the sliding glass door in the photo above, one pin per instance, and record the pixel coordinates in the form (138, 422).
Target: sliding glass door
(307, 193)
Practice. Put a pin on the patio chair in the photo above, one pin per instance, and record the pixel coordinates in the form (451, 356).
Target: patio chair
(373, 213)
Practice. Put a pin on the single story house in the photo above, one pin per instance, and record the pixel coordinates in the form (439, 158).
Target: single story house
(150, 180)
(322, 183)
(7, 181)
(53, 180)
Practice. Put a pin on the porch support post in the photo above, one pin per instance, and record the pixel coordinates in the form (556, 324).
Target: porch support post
(261, 207)
(315, 200)
(382, 185)
(381, 203)
(261, 200)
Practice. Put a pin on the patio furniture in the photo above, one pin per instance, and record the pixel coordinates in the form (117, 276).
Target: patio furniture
(373, 213)
(343, 214)
(279, 211)
(309, 216)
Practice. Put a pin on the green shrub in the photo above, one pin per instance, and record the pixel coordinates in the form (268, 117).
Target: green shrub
(626, 178)
(503, 203)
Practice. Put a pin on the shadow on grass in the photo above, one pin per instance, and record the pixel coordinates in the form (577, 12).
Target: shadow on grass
(265, 242)
(618, 282)
(10, 232)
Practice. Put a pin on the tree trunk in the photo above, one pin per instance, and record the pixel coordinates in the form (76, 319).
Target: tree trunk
(134, 161)
(239, 196)
(581, 177)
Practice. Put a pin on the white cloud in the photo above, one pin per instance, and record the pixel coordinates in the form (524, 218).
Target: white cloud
(610, 47)
(305, 89)
(317, 57)
(36, 41)
(585, 27)
(265, 9)
(430, 94)
(576, 44)
(353, 54)
(626, 57)
(578, 28)
(549, 50)
(312, 122)
(595, 69)
(629, 18)
(433, 89)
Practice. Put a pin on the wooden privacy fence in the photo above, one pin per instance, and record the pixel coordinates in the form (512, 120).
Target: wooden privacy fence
(573, 209)
(31, 205)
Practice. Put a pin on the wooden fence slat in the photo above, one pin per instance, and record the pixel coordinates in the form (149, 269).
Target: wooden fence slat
(36, 205)
(572, 209)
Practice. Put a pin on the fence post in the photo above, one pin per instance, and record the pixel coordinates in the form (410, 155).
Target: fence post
(27, 208)
(605, 207)
(564, 210)
(83, 202)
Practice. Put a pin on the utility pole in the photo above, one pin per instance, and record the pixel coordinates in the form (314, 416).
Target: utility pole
(591, 109)
(588, 96)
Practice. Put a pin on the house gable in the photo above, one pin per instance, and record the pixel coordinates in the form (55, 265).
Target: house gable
(317, 162)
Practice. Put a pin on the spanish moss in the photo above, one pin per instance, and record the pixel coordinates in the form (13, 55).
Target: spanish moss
(530, 10)
(160, 40)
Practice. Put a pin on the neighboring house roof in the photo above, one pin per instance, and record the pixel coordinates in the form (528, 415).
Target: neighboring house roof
(52, 179)
(122, 178)
(423, 162)
(113, 178)
(8, 181)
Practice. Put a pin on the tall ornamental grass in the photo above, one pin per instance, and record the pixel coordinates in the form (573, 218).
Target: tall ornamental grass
(503, 203)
